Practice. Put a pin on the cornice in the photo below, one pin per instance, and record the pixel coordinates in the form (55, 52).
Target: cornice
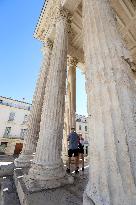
(38, 26)
(47, 19)
(52, 11)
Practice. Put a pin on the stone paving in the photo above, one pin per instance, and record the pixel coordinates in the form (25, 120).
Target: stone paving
(8, 194)
(6, 165)
(66, 195)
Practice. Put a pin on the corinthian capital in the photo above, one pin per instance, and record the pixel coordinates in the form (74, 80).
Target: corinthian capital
(49, 43)
(65, 15)
(72, 61)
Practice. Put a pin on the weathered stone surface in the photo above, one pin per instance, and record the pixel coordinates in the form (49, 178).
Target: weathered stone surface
(47, 168)
(111, 107)
(66, 195)
(6, 165)
(111, 102)
(32, 135)
(72, 63)
(8, 192)
(6, 170)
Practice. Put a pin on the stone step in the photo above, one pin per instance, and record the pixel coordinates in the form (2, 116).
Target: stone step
(66, 195)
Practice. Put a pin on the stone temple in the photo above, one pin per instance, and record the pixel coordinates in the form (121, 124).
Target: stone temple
(98, 36)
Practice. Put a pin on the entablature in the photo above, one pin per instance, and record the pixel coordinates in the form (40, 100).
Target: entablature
(126, 18)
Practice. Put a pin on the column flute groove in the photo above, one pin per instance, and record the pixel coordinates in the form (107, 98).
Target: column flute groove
(72, 63)
(47, 170)
(111, 94)
(32, 134)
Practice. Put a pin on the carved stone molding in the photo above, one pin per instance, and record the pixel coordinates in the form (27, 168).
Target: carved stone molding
(72, 61)
(64, 14)
(52, 12)
(49, 43)
(131, 64)
(71, 5)
(47, 19)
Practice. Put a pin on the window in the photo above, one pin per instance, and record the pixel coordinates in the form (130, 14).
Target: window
(78, 120)
(80, 127)
(1, 101)
(25, 119)
(23, 133)
(86, 128)
(11, 116)
(7, 131)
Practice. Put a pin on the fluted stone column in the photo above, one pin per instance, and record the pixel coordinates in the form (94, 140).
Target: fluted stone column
(64, 144)
(111, 92)
(69, 105)
(67, 117)
(31, 137)
(47, 170)
(72, 63)
(66, 132)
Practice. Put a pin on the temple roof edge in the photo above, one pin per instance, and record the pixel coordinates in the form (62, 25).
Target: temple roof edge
(46, 18)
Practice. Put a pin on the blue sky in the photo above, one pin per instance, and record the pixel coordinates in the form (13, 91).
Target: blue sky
(20, 56)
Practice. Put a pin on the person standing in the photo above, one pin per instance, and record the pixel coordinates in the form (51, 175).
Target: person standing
(73, 139)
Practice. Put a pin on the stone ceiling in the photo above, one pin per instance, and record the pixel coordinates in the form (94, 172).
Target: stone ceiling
(126, 18)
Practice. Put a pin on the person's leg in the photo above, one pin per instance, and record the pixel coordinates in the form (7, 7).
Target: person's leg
(82, 157)
(76, 155)
(79, 156)
(69, 161)
(78, 160)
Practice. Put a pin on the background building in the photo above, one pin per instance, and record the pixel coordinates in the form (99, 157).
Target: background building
(13, 124)
(82, 128)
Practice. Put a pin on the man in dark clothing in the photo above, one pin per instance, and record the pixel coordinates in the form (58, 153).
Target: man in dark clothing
(73, 139)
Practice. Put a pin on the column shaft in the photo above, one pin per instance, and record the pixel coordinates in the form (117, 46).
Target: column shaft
(66, 131)
(69, 105)
(72, 62)
(47, 169)
(67, 118)
(32, 134)
(111, 107)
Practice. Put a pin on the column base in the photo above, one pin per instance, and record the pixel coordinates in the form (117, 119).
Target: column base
(41, 178)
(91, 197)
(24, 160)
